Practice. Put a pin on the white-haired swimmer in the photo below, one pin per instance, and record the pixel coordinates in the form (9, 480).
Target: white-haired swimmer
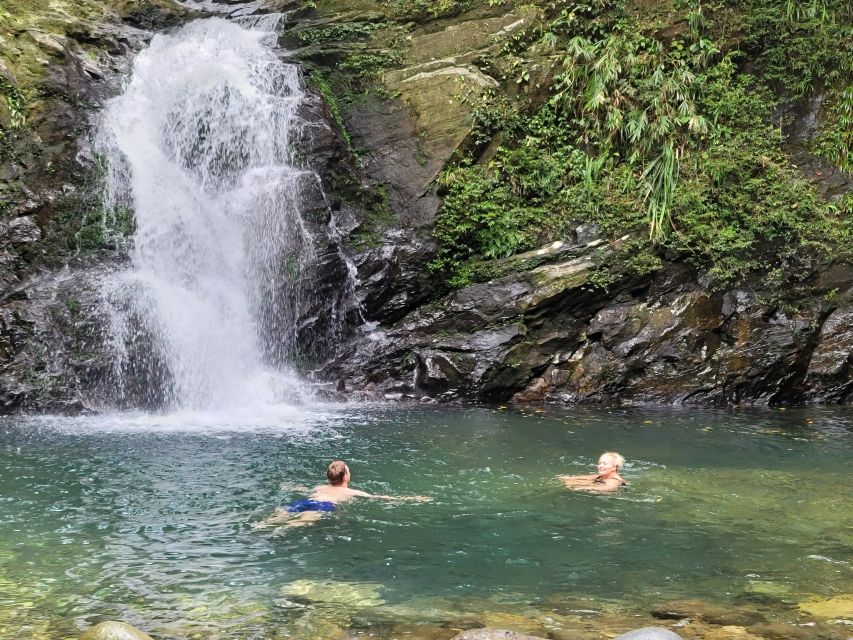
(607, 478)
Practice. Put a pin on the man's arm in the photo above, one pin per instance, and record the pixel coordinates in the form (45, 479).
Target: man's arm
(364, 494)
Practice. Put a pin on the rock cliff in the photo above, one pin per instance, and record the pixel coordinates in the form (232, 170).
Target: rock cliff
(394, 89)
(545, 329)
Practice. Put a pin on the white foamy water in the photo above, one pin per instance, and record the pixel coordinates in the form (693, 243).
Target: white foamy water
(318, 420)
(199, 148)
(271, 23)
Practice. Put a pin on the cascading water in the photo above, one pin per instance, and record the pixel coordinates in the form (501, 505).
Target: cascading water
(200, 148)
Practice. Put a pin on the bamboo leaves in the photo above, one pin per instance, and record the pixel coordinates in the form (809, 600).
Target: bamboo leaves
(640, 96)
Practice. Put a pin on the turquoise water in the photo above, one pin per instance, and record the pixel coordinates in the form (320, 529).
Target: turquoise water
(150, 520)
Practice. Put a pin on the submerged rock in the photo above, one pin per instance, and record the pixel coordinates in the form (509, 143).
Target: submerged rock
(767, 590)
(114, 631)
(836, 607)
(493, 634)
(729, 632)
(352, 595)
(707, 612)
(649, 633)
(787, 631)
(422, 632)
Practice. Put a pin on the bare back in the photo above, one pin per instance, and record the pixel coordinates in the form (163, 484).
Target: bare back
(336, 493)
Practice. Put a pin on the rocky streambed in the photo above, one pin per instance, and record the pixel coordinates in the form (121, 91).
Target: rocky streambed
(675, 620)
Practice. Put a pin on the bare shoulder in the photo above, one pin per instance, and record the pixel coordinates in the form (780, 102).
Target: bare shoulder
(591, 483)
(577, 482)
(325, 492)
(318, 492)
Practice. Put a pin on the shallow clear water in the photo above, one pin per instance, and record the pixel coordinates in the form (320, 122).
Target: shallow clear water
(149, 519)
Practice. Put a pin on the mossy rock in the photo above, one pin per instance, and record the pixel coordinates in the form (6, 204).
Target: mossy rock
(112, 630)
(351, 595)
(835, 607)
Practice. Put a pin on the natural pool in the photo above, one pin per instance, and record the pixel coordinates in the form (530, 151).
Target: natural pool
(149, 520)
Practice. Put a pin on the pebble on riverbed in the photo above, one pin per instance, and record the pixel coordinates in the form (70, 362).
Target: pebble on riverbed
(493, 634)
(112, 630)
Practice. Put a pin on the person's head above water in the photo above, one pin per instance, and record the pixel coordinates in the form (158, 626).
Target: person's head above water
(609, 464)
(338, 473)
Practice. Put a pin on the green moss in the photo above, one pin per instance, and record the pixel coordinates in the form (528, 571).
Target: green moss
(78, 222)
(16, 104)
(797, 45)
(378, 216)
(835, 137)
(339, 32)
(320, 82)
(423, 9)
(355, 79)
(367, 66)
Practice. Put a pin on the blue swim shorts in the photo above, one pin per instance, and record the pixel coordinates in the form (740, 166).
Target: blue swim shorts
(298, 506)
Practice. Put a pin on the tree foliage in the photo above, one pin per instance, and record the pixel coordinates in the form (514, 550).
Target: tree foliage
(673, 133)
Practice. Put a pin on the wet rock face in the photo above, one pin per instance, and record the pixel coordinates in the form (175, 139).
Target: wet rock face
(800, 121)
(547, 334)
(828, 377)
(60, 69)
(405, 139)
(550, 335)
(51, 334)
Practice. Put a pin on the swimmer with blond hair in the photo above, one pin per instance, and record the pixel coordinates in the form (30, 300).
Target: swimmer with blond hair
(607, 479)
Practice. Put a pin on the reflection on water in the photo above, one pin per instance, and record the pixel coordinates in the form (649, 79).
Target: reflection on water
(149, 520)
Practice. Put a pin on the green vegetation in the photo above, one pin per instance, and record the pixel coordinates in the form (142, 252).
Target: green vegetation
(15, 104)
(336, 32)
(835, 138)
(365, 68)
(423, 9)
(800, 45)
(13, 117)
(669, 139)
(356, 76)
(320, 82)
(79, 223)
(378, 217)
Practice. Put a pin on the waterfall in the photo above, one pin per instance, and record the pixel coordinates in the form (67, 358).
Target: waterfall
(199, 147)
